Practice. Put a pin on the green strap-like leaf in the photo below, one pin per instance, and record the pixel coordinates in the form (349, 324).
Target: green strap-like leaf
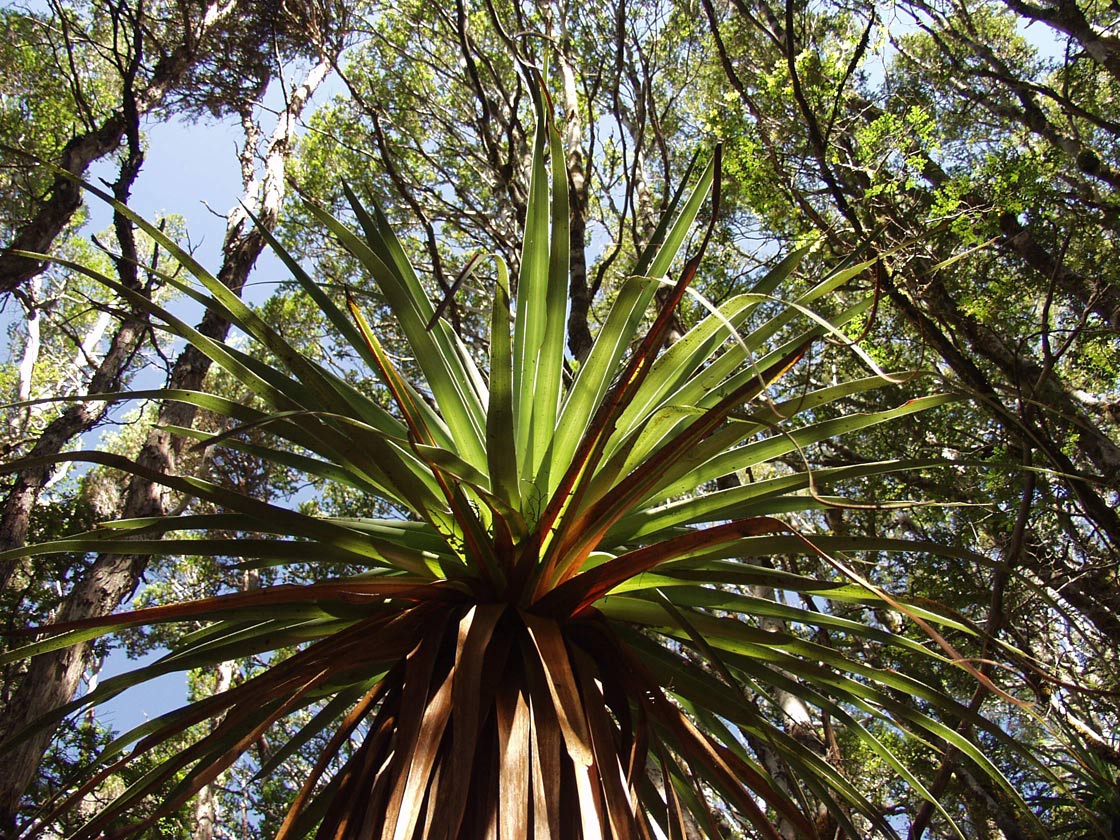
(550, 362)
(450, 383)
(597, 371)
(712, 459)
(731, 503)
(533, 300)
(501, 449)
(688, 355)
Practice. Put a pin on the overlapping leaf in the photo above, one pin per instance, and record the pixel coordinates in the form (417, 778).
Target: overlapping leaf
(555, 638)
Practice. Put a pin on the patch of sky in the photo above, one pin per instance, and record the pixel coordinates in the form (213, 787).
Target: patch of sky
(144, 702)
(191, 170)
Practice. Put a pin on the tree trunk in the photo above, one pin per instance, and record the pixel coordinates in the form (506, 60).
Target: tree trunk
(206, 810)
(52, 679)
(1017, 389)
(65, 197)
(21, 421)
(80, 417)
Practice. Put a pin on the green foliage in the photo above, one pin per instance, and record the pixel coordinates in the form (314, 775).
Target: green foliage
(560, 536)
(928, 140)
(38, 109)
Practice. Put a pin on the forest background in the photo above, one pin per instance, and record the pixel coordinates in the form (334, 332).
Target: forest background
(972, 148)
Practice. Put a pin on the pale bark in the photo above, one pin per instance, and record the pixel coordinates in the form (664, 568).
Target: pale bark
(85, 357)
(1090, 732)
(1066, 16)
(52, 679)
(795, 717)
(692, 831)
(76, 419)
(79, 417)
(207, 808)
(207, 812)
(794, 714)
(989, 803)
(31, 348)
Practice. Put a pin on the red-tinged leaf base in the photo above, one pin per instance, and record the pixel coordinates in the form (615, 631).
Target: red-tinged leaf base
(507, 725)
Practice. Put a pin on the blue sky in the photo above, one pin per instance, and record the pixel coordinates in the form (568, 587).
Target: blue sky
(187, 168)
(192, 170)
